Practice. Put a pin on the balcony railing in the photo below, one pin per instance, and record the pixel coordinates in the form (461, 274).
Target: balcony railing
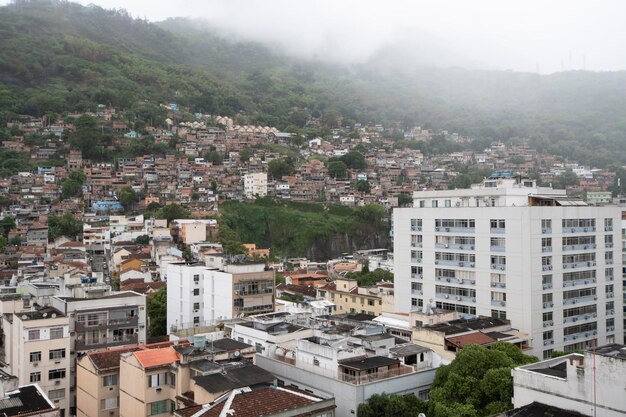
(100, 343)
(583, 264)
(460, 264)
(377, 376)
(575, 282)
(127, 321)
(580, 317)
(586, 246)
(588, 229)
(498, 303)
(580, 335)
(453, 246)
(579, 300)
(417, 292)
(498, 248)
(498, 230)
(455, 229)
(415, 275)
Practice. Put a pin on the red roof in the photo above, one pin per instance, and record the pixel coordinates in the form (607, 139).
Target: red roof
(157, 357)
(477, 338)
(264, 401)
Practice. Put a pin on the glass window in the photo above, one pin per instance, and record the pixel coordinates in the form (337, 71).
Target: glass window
(56, 333)
(109, 403)
(35, 357)
(33, 334)
(109, 380)
(158, 407)
(56, 394)
(35, 377)
(56, 374)
(56, 354)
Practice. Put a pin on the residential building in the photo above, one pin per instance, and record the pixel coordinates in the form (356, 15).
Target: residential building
(591, 384)
(348, 297)
(255, 185)
(28, 400)
(37, 349)
(511, 250)
(197, 294)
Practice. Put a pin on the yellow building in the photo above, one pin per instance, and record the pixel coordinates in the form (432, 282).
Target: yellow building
(348, 297)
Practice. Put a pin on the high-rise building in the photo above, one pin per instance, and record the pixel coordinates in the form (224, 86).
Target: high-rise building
(506, 248)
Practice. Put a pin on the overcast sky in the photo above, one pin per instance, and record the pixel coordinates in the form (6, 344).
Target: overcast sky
(525, 35)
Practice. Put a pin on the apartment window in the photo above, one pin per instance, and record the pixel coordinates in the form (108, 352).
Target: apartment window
(416, 224)
(608, 273)
(498, 242)
(546, 224)
(35, 377)
(171, 379)
(547, 298)
(498, 314)
(498, 223)
(547, 354)
(163, 378)
(56, 333)
(608, 258)
(609, 307)
(110, 380)
(56, 354)
(370, 302)
(56, 374)
(56, 394)
(196, 291)
(546, 280)
(548, 335)
(608, 241)
(109, 403)
(448, 203)
(196, 320)
(34, 334)
(435, 203)
(422, 203)
(196, 306)
(546, 260)
(196, 278)
(158, 407)
(608, 224)
(546, 243)
(35, 357)
(423, 395)
(547, 316)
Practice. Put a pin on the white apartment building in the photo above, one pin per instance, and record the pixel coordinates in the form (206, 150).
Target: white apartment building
(199, 295)
(509, 249)
(37, 349)
(255, 184)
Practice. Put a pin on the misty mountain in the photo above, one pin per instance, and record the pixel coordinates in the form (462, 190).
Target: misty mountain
(59, 56)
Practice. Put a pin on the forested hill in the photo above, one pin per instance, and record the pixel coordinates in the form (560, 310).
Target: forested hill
(58, 56)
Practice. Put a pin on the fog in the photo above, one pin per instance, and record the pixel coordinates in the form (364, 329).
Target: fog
(523, 35)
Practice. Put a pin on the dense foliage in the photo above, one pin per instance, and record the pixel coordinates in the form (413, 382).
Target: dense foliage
(157, 311)
(289, 228)
(107, 57)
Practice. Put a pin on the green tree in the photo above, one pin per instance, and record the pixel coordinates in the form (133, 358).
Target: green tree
(363, 186)
(478, 382)
(404, 200)
(128, 197)
(245, 154)
(278, 168)
(366, 278)
(566, 179)
(337, 169)
(142, 240)
(354, 160)
(214, 157)
(6, 224)
(173, 211)
(71, 188)
(66, 225)
(157, 313)
(385, 405)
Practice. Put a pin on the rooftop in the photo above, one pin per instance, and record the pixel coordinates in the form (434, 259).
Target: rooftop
(157, 357)
(25, 400)
(234, 377)
(373, 362)
(614, 350)
(536, 409)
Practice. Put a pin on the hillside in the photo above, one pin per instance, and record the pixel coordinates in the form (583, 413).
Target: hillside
(59, 56)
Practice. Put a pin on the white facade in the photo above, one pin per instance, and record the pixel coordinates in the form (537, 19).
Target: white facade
(552, 270)
(592, 384)
(198, 295)
(255, 184)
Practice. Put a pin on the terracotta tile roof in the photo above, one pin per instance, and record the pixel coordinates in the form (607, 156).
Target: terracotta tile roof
(157, 357)
(264, 401)
(73, 245)
(110, 359)
(477, 338)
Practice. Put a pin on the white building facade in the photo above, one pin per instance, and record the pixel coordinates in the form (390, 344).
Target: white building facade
(508, 249)
(255, 184)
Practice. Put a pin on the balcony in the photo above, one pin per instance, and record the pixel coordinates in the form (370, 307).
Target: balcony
(580, 317)
(576, 282)
(417, 292)
(498, 230)
(364, 378)
(498, 303)
(104, 324)
(455, 229)
(579, 229)
(586, 246)
(460, 264)
(453, 246)
(580, 300)
(580, 335)
(101, 343)
(574, 265)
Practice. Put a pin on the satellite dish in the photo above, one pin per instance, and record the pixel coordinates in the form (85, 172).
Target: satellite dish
(54, 315)
(421, 415)
(44, 315)
(237, 353)
(24, 317)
